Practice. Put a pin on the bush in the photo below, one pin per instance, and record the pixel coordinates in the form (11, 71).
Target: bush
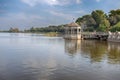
(115, 27)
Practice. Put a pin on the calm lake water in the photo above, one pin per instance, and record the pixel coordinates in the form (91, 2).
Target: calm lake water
(38, 57)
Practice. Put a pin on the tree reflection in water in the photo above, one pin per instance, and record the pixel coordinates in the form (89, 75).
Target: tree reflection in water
(114, 53)
(96, 51)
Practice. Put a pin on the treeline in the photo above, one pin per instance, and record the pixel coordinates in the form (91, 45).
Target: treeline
(16, 30)
(100, 21)
(59, 28)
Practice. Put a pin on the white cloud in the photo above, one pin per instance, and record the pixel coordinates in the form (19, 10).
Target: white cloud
(63, 15)
(30, 2)
(20, 20)
(2, 11)
(97, 0)
(79, 12)
(23, 16)
(50, 2)
(78, 1)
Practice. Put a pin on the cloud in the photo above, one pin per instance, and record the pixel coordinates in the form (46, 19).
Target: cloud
(23, 16)
(78, 1)
(98, 0)
(32, 3)
(63, 15)
(2, 11)
(48, 2)
(52, 2)
(79, 12)
(20, 20)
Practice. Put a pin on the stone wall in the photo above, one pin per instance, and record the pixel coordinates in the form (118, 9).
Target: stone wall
(114, 37)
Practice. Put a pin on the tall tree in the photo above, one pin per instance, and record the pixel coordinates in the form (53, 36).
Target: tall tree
(102, 22)
(116, 27)
(13, 30)
(114, 16)
(32, 29)
(98, 16)
(87, 20)
(104, 25)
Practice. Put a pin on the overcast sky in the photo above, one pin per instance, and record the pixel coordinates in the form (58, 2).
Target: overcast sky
(41, 13)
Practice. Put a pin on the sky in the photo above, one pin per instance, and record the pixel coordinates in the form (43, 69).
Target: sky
(25, 14)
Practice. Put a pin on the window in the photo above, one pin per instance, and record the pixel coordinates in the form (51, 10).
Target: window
(75, 30)
(69, 30)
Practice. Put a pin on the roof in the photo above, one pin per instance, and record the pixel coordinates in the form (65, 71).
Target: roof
(73, 24)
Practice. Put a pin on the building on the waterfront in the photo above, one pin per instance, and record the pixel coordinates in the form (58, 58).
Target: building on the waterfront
(72, 31)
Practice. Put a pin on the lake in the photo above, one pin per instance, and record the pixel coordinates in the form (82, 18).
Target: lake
(38, 57)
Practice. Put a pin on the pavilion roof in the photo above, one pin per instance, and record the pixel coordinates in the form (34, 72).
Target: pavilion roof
(73, 24)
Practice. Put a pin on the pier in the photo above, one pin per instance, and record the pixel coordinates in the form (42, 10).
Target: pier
(114, 37)
(74, 31)
(94, 35)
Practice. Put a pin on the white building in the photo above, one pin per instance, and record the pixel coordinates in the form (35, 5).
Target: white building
(72, 31)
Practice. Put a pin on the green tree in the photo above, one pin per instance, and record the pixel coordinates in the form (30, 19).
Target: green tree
(102, 22)
(115, 27)
(87, 20)
(13, 30)
(114, 16)
(104, 26)
(98, 16)
(16, 30)
(32, 29)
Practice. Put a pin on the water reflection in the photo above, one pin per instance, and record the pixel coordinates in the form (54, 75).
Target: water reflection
(72, 46)
(33, 57)
(96, 51)
(114, 53)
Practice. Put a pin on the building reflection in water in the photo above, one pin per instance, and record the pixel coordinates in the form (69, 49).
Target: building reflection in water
(96, 51)
(72, 46)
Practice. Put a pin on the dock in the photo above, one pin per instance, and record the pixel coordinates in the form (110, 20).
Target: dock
(94, 35)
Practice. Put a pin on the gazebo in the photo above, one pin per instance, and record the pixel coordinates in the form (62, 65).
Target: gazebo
(72, 31)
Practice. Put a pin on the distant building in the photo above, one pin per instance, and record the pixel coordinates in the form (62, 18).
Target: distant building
(72, 31)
